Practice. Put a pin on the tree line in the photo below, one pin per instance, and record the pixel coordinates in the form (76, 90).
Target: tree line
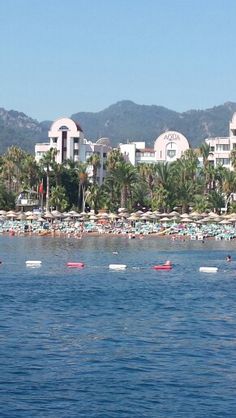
(162, 186)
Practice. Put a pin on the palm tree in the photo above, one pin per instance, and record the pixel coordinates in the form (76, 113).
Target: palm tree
(147, 175)
(233, 158)
(82, 174)
(205, 152)
(94, 160)
(113, 158)
(11, 168)
(58, 198)
(95, 196)
(125, 174)
(163, 191)
(229, 186)
(30, 172)
(46, 164)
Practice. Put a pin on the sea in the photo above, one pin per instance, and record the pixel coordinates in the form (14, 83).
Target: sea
(101, 343)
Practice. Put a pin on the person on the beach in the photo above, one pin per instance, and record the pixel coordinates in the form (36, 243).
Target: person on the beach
(228, 258)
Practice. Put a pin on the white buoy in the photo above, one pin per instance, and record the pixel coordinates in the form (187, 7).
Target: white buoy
(117, 266)
(208, 269)
(33, 263)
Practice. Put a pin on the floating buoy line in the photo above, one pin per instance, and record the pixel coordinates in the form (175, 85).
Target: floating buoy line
(167, 266)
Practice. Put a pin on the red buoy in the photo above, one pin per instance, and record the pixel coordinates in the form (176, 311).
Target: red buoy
(78, 265)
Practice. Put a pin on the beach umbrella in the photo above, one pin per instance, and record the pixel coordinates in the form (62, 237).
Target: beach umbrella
(133, 218)
(195, 214)
(184, 215)
(57, 214)
(165, 219)
(213, 214)
(113, 216)
(174, 213)
(145, 217)
(40, 219)
(225, 222)
(28, 213)
(3, 212)
(11, 214)
(164, 214)
(186, 220)
(73, 213)
(93, 217)
(48, 215)
(31, 217)
(103, 215)
(123, 215)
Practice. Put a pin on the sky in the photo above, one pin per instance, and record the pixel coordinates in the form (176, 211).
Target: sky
(60, 57)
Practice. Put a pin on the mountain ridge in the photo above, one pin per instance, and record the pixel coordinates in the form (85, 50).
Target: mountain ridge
(121, 122)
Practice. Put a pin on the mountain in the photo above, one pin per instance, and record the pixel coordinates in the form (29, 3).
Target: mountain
(18, 129)
(121, 122)
(126, 120)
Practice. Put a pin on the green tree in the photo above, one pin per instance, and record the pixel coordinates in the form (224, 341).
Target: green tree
(58, 198)
(46, 164)
(94, 161)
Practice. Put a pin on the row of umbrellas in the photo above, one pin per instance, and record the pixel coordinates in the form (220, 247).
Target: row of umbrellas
(123, 213)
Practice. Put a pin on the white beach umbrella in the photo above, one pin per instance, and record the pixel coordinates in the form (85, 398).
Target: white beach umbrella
(139, 212)
(31, 218)
(113, 216)
(57, 214)
(40, 219)
(123, 215)
(28, 212)
(184, 215)
(103, 215)
(174, 213)
(133, 218)
(73, 213)
(11, 214)
(195, 214)
(186, 220)
(48, 215)
(225, 222)
(165, 219)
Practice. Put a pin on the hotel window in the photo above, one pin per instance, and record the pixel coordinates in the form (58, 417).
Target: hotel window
(212, 149)
(76, 152)
(76, 140)
(223, 161)
(54, 140)
(160, 154)
(222, 147)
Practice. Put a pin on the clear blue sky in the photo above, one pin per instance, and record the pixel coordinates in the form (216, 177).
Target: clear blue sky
(60, 57)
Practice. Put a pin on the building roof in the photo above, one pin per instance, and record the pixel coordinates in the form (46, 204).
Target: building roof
(145, 150)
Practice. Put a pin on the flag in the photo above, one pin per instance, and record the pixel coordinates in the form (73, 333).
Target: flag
(41, 188)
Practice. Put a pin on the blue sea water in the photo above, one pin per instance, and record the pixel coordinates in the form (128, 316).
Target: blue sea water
(98, 343)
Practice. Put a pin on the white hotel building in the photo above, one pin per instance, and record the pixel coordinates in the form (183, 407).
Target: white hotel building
(68, 138)
(221, 147)
(168, 147)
